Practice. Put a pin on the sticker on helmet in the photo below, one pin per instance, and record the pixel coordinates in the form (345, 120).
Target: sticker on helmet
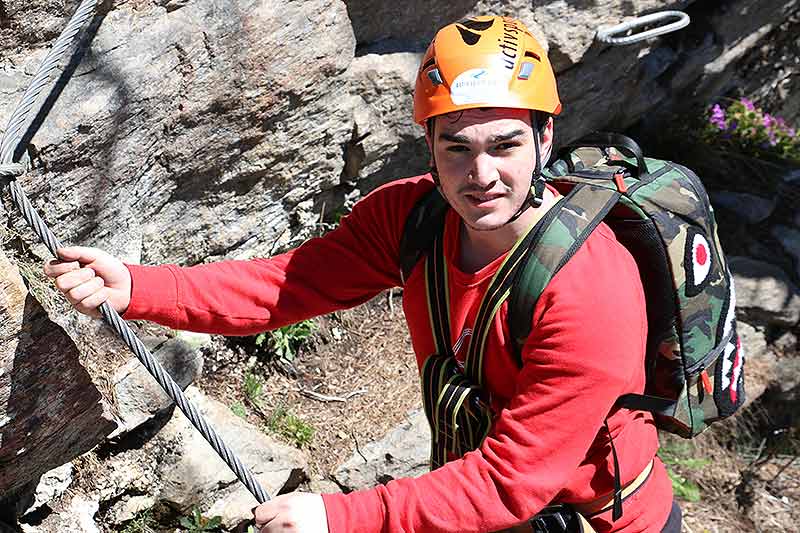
(479, 85)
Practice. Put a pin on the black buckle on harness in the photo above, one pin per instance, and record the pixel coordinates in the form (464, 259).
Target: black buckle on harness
(555, 519)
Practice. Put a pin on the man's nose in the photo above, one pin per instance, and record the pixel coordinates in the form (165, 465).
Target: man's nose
(484, 170)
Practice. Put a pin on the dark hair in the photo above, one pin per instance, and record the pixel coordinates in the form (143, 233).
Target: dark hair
(541, 120)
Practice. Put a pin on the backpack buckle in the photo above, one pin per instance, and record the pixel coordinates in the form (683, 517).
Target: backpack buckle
(619, 180)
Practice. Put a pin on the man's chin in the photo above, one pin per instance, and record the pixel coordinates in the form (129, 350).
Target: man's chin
(489, 223)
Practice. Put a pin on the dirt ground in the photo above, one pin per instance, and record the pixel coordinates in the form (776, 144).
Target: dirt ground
(355, 379)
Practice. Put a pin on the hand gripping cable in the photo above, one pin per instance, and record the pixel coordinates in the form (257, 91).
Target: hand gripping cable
(9, 168)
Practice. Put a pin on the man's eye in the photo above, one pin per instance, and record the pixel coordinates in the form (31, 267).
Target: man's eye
(457, 148)
(506, 146)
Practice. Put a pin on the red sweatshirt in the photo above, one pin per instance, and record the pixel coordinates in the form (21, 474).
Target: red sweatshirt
(547, 443)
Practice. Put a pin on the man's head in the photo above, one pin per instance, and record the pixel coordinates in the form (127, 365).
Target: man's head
(480, 81)
(485, 158)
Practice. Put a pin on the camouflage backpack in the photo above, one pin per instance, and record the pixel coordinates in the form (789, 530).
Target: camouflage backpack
(661, 213)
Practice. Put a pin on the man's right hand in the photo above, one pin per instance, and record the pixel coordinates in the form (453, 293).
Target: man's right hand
(88, 277)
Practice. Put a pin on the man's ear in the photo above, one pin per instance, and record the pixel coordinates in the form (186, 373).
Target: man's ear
(547, 135)
(429, 124)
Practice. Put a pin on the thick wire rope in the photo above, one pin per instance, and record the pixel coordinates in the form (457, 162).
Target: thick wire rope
(9, 168)
(609, 35)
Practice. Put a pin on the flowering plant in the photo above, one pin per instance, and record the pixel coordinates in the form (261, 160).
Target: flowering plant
(746, 128)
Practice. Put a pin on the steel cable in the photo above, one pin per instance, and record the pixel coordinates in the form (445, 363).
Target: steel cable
(9, 168)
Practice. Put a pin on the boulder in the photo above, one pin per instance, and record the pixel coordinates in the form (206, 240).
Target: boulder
(750, 208)
(790, 240)
(51, 408)
(403, 452)
(198, 477)
(139, 397)
(764, 293)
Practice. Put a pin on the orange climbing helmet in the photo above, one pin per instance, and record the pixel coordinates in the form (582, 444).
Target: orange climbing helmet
(485, 61)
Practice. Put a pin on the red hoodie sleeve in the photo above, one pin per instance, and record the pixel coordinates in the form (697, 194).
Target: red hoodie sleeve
(588, 327)
(344, 268)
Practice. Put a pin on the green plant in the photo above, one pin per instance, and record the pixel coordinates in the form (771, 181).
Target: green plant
(284, 342)
(290, 426)
(239, 410)
(677, 455)
(684, 488)
(747, 129)
(253, 387)
(197, 522)
(142, 522)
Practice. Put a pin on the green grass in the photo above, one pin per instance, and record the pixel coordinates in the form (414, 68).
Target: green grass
(196, 522)
(677, 455)
(286, 341)
(284, 423)
(253, 387)
(142, 522)
(239, 410)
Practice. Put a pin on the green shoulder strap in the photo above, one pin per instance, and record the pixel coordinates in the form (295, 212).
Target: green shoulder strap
(585, 206)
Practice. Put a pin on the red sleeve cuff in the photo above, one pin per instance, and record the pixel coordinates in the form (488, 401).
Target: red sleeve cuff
(154, 294)
(358, 511)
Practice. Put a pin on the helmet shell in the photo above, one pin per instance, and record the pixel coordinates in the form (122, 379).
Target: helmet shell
(486, 61)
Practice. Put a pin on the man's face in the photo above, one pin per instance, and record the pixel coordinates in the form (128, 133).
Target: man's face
(485, 158)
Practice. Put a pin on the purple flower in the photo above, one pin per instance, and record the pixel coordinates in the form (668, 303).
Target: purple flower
(733, 125)
(769, 120)
(791, 132)
(748, 104)
(718, 117)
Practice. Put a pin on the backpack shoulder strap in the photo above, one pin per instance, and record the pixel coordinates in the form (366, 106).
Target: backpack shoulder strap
(423, 223)
(584, 207)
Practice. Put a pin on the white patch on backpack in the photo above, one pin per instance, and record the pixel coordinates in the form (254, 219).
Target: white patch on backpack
(698, 262)
(701, 258)
(732, 364)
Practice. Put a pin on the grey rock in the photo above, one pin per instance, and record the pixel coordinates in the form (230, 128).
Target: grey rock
(383, 86)
(199, 477)
(51, 408)
(790, 240)
(139, 396)
(754, 342)
(753, 209)
(403, 452)
(764, 293)
(51, 486)
(787, 342)
(760, 360)
(127, 508)
(178, 135)
(77, 516)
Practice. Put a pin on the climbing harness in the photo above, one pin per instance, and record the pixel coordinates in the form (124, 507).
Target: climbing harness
(13, 165)
(613, 35)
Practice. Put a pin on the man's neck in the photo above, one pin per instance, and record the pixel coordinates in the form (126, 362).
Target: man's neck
(479, 248)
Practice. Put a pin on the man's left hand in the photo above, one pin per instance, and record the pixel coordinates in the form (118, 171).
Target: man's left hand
(292, 513)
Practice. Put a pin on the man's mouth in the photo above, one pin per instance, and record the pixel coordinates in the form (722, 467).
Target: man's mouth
(483, 199)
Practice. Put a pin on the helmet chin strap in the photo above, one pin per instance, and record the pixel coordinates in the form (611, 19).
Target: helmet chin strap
(535, 195)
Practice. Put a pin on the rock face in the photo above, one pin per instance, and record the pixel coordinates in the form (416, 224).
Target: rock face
(403, 452)
(50, 408)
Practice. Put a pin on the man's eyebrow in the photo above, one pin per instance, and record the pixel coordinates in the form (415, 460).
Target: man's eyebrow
(502, 137)
(461, 139)
(494, 139)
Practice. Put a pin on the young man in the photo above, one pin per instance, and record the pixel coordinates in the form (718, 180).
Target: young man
(485, 92)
